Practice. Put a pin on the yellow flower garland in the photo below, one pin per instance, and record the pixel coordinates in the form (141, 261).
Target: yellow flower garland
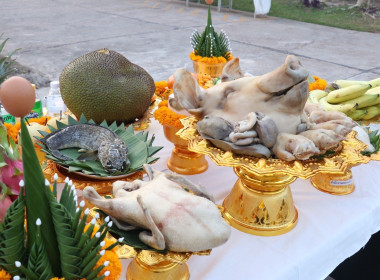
(209, 60)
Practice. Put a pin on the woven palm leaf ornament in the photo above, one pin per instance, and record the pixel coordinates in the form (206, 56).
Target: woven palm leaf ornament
(210, 43)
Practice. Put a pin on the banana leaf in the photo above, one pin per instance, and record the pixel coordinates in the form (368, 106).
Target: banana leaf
(131, 237)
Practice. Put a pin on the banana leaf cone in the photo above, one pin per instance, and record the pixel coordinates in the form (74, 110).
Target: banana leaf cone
(37, 204)
(56, 243)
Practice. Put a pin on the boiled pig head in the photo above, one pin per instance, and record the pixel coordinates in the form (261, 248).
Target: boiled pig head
(280, 94)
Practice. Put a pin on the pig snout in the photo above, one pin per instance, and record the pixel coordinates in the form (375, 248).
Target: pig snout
(295, 69)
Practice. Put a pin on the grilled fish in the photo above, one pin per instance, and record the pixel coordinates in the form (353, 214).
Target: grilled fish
(110, 148)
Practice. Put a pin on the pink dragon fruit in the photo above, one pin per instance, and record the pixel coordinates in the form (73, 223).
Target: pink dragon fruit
(5, 202)
(11, 170)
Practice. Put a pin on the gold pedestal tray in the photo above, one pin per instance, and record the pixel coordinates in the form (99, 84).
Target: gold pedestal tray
(337, 184)
(202, 68)
(103, 185)
(151, 265)
(148, 265)
(261, 202)
(183, 161)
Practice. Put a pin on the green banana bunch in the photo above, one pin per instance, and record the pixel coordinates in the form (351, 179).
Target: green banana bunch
(346, 108)
(358, 114)
(372, 112)
(360, 100)
(316, 94)
(347, 83)
(363, 101)
(374, 90)
(347, 93)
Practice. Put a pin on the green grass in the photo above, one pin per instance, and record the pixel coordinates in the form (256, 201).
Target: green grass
(340, 16)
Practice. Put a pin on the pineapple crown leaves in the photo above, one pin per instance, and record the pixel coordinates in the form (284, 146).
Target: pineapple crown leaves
(210, 43)
(57, 246)
(140, 149)
(6, 62)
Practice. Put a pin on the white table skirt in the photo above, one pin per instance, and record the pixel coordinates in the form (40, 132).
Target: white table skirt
(329, 230)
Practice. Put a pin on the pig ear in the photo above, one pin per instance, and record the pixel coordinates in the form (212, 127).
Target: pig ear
(187, 93)
(232, 70)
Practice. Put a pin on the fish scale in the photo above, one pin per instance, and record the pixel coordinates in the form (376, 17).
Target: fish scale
(92, 138)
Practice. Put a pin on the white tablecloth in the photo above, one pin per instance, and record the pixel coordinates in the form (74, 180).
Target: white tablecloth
(329, 230)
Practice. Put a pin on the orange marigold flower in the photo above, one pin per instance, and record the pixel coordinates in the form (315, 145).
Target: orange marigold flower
(318, 84)
(114, 266)
(42, 120)
(166, 116)
(209, 60)
(12, 131)
(161, 86)
(4, 275)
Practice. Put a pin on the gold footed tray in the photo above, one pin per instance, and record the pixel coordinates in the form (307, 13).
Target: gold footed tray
(183, 161)
(103, 185)
(336, 184)
(261, 202)
(151, 265)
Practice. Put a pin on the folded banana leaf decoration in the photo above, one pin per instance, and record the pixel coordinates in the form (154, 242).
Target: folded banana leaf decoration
(57, 245)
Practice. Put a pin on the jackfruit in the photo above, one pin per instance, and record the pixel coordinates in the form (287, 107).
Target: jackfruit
(104, 85)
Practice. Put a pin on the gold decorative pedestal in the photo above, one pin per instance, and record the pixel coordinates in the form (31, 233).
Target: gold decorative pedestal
(337, 184)
(214, 70)
(153, 266)
(261, 205)
(261, 202)
(183, 161)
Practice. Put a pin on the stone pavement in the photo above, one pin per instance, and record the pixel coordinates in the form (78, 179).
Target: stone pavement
(155, 35)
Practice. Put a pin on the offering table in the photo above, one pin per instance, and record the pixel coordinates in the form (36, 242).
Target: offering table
(329, 229)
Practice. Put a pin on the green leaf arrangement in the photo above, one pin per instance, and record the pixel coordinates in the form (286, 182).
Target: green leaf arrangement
(6, 62)
(55, 243)
(210, 43)
(140, 149)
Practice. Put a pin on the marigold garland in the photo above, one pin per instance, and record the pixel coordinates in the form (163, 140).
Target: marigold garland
(114, 266)
(318, 84)
(209, 60)
(13, 130)
(166, 116)
(162, 90)
(4, 275)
